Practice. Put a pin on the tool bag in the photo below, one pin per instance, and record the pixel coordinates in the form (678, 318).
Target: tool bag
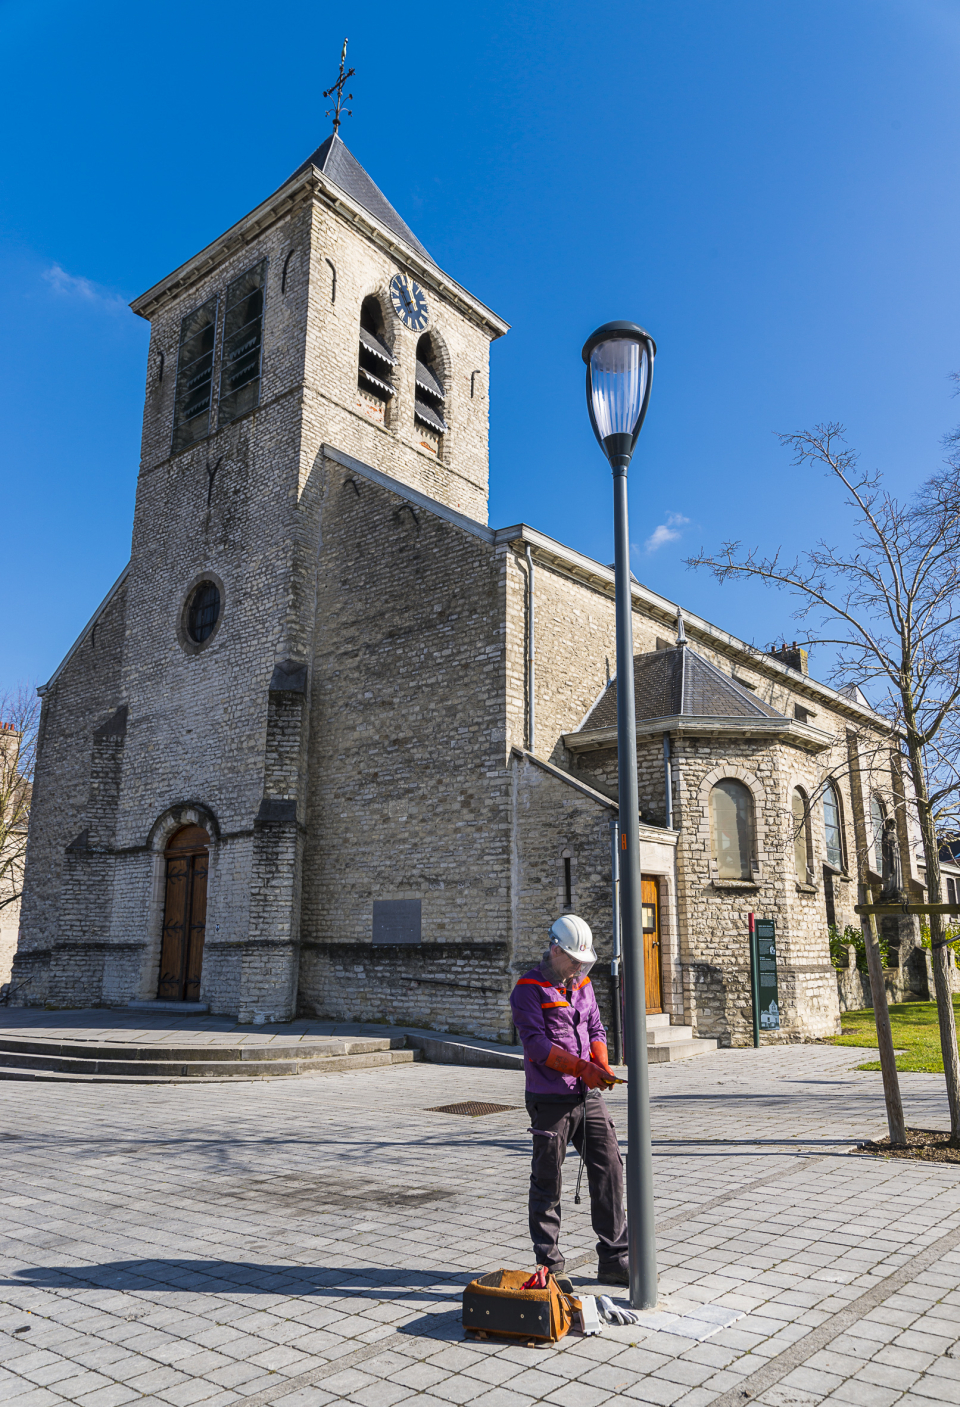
(495, 1304)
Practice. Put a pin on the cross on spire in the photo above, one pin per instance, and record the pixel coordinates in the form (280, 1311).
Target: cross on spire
(337, 88)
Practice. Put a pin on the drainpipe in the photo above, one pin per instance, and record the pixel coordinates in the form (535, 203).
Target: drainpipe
(668, 780)
(531, 657)
(615, 998)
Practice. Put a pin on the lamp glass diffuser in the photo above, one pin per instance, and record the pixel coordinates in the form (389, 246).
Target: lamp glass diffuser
(618, 382)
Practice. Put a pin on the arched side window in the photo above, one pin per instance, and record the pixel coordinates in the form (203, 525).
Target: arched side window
(801, 834)
(731, 829)
(376, 361)
(878, 814)
(833, 826)
(430, 397)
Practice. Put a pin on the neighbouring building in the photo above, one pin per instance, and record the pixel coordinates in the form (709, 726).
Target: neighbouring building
(299, 759)
(14, 804)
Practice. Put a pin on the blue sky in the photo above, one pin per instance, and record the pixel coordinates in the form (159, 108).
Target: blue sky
(771, 189)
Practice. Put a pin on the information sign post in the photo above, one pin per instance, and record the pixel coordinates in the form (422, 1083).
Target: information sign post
(767, 964)
(754, 983)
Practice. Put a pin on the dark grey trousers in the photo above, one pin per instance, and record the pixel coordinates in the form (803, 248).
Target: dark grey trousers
(553, 1127)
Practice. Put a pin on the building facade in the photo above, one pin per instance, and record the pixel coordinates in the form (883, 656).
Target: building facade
(334, 745)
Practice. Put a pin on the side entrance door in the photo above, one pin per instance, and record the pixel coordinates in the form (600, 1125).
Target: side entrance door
(650, 902)
(184, 915)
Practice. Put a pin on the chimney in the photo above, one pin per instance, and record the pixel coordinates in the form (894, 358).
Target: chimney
(790, 655)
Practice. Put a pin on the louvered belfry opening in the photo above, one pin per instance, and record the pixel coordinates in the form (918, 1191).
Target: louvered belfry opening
(375, 368)
(430, 395)
(191, 416)
(242, 344)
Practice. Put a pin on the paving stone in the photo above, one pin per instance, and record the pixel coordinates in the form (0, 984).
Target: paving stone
(271, 1284)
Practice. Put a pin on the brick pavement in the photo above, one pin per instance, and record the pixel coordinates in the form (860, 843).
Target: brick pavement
(300, 1242)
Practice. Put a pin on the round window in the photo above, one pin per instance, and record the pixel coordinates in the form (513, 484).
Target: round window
(203, 612)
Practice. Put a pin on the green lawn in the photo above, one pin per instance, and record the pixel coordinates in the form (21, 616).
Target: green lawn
(916, 1035)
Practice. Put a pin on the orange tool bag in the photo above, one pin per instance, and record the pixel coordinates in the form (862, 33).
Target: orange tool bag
(496, 1304)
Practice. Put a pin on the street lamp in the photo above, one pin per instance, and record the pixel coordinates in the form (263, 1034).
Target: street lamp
(619, 358)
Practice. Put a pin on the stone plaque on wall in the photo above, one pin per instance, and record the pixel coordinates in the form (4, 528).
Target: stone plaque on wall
(396, 920)
(767, 948)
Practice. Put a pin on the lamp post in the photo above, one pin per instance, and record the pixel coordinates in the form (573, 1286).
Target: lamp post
(619, 358)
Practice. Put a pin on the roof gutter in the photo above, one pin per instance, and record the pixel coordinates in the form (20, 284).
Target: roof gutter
(691, 725)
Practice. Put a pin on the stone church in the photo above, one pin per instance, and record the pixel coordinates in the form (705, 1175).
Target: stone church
(333, 745)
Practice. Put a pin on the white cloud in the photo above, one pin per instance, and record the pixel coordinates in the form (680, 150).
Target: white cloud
(666, 532)
(71, 286)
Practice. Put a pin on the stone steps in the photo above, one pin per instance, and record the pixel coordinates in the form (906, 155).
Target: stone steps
(155, 1063)
(666, 1042)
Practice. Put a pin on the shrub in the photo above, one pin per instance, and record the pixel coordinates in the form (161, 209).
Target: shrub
(853, 937)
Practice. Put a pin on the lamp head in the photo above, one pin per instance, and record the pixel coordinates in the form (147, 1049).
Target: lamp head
(619, 358)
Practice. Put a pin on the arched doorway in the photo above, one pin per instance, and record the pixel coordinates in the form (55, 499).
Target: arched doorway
(184, 915)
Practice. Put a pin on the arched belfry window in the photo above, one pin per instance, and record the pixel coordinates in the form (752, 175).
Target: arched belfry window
(833, 826)
(801, 834)
(731, 829)
(375, 370)
(242, 344)
(430, 396)
(878, 815)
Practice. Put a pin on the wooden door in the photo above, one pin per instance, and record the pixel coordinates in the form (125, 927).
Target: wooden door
(184, 915)
(650, 901)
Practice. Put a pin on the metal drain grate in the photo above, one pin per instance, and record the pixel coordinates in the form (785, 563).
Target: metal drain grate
(472, 1108)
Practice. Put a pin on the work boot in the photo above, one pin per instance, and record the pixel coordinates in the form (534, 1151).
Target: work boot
(616, 1273)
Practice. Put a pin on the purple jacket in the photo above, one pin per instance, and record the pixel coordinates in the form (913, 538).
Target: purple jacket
(544, 1016)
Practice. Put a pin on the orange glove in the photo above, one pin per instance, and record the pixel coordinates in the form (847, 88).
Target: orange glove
(598, 1055)
(593, 1076)
(566, 1064)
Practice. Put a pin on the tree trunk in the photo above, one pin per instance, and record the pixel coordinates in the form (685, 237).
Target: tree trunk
(881, 1015)
(941, 969)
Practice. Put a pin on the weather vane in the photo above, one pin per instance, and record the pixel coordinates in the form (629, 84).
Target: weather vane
(337, 88)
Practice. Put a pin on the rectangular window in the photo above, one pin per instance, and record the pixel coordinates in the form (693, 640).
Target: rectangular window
(567, 883)
(191, 416)
(802, 715)
(951, 891)
(242, 344)
(396, 920)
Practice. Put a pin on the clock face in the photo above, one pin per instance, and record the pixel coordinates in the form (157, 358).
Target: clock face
(409, 304)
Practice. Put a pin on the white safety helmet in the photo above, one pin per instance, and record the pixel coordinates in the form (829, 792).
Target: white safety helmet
(573, 935)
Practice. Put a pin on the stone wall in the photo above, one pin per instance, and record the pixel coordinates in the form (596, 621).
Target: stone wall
(408, 795)
(84, 696)
(453, 471)
(551, 819)
(9, 929)
(449, 986)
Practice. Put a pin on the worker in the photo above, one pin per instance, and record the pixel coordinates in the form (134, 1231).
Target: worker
(566, 1065)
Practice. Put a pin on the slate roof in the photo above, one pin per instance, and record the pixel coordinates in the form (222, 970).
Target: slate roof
(679, 681)
(341, 167)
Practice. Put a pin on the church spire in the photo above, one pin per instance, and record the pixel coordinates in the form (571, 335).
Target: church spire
(337, 88)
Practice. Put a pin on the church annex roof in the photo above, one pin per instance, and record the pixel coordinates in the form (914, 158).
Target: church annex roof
(679, 682)
(335, 161)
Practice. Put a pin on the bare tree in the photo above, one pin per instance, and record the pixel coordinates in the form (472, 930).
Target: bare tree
(19, 720)
(890, 607)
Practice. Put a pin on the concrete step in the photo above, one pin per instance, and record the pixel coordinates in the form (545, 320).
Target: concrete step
(679, 1050)
(656, 1021)
(101, 1071)
(153, 1064)
(667, 1035)
(176, 1008)
(278, 1050)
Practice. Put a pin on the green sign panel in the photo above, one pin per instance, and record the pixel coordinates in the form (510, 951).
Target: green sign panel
(766, 931)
